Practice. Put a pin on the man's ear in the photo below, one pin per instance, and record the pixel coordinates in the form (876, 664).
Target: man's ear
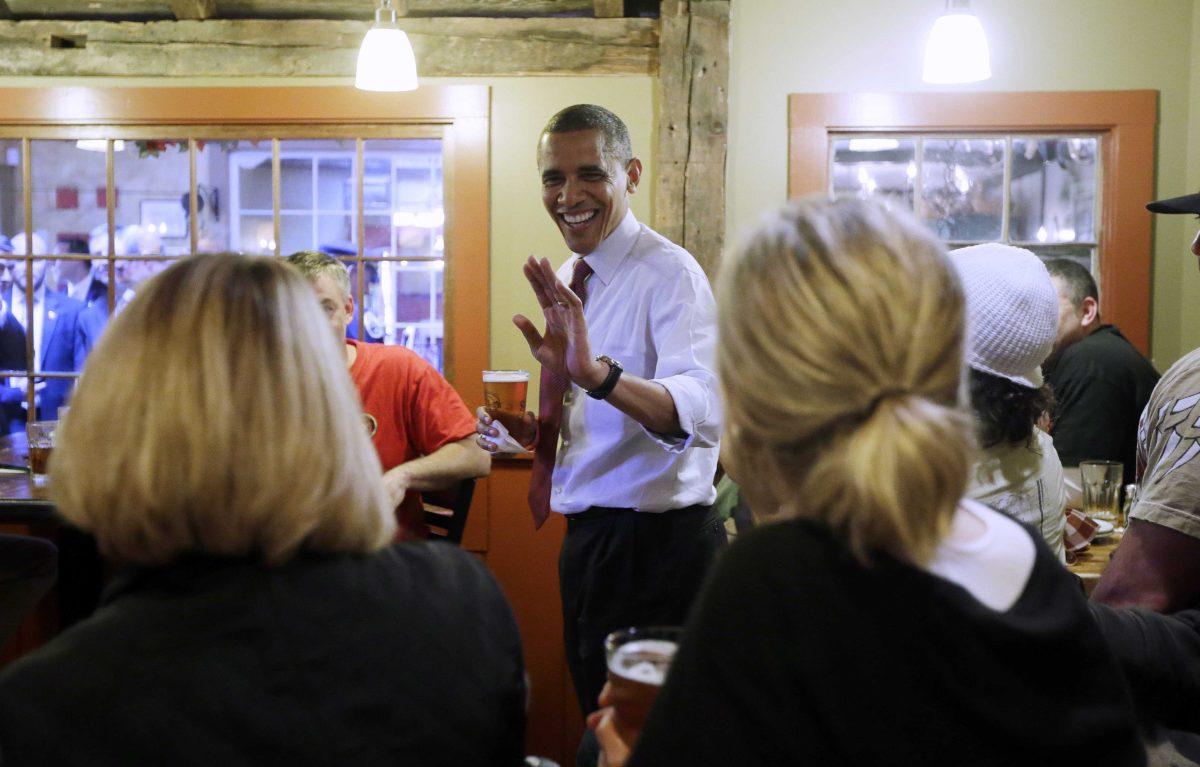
(1090, 312)
(349, 307)
(634, 170)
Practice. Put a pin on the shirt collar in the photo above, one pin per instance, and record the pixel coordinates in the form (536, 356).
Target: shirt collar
(608, 256)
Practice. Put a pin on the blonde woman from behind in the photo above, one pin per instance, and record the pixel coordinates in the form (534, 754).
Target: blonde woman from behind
(216, 451)
(875, 617)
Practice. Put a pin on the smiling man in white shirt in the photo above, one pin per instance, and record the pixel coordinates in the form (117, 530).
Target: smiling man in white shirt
(629, 423)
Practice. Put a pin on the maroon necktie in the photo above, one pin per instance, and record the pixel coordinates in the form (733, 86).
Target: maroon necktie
(550, 407)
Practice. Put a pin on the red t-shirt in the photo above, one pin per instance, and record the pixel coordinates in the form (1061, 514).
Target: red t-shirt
(411, 411)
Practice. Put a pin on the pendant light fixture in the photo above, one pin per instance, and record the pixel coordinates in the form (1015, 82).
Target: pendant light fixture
(385, 58)
(957, 49)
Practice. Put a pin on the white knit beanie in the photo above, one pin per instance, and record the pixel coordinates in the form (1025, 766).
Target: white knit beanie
(1012, 311)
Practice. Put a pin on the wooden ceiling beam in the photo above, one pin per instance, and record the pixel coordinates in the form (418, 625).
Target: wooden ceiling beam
(445, 47)
(194, 10)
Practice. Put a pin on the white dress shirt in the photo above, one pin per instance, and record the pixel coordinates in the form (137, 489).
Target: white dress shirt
(649, 306)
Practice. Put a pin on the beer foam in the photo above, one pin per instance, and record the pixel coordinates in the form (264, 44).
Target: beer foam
(505, 376)
(643, 660)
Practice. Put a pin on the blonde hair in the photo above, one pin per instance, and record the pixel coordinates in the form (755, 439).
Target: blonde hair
(216, 416)
(841, 363)
(312, 264)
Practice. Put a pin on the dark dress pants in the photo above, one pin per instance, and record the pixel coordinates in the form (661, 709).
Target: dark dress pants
(620, 568)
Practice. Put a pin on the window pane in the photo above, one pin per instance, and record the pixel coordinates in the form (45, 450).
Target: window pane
(256, 233)
(1080, 254)
(151, 180)
(295, 232)
(295, 183)
(875, 167)
(962, 187)
(12, 192)
(1053, 190)
(233, 187)
(335, 182)
(405, 216)
(68, 200)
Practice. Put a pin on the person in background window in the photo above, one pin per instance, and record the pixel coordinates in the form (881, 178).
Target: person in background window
(1157, 564)
(12, 354)
(422, 429)
(1013, 316)
(60, 339)
(215, 450)
(876, 616)
(1100, 382)
(83, 282)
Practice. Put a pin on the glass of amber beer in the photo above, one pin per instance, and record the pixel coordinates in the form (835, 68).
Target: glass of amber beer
(638, 660)
(504, 396)
(41, 445)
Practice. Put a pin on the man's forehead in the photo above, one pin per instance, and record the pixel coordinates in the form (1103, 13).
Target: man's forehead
(571, 150)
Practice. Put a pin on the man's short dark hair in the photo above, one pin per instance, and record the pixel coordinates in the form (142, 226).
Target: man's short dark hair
(591, 117)
(1076, 278)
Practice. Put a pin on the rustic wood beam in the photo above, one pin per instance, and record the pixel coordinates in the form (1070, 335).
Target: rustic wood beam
(469, 47)
(113, 10)
(693, 114)
(609, 9)
(197, 10)
(365, 9)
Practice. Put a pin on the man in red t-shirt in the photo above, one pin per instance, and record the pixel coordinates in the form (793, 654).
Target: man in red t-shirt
(422, 430)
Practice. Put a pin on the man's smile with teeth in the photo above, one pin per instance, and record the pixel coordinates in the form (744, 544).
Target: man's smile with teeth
(578, 218)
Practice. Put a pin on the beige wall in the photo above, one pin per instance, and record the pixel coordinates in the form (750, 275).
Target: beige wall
(876, 45)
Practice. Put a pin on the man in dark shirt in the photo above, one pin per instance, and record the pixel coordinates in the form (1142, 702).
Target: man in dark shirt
(1100, 382)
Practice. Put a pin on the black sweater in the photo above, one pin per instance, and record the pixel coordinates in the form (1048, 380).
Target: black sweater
(410, 656)
(797, 655)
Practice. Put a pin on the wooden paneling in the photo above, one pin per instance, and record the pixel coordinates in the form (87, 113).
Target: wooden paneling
(525, 562)
(461, 47)
(1126, 121)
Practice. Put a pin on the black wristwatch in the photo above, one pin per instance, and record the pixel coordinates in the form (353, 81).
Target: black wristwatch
(614, 372)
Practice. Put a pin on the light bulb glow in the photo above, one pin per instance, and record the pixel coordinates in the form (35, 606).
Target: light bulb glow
(98, 145)
(957, 50)
(386, 61)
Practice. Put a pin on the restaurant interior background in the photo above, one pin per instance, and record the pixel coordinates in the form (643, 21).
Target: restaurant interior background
(777, 48)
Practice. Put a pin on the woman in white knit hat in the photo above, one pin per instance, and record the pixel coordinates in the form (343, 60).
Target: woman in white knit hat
(1012, 320)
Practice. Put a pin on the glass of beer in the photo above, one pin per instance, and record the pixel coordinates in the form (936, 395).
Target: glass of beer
(1102, 489)
(41, 445)
(638, 660)
(504, 396)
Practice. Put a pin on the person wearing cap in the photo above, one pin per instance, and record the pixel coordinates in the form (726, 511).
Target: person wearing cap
(1100, 382)
(1012, 319)
(1157, 564)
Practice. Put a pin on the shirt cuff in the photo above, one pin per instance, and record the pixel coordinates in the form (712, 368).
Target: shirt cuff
(693, 410)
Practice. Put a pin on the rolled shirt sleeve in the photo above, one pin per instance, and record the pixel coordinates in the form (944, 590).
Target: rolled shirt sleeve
(684, 333)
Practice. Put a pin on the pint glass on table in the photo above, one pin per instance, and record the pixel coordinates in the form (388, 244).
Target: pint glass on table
(504, 396)
(41, 445)
(1102, 489)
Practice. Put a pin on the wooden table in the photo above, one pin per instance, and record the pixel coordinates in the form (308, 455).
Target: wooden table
(1089, 565)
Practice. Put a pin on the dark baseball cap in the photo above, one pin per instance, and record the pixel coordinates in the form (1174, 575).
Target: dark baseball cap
(1189, 203)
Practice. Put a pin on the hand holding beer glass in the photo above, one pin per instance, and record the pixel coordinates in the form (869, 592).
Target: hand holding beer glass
(503, 420)
(638, 661)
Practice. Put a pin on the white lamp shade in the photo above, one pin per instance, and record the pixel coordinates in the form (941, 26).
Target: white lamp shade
(957, 51)
(386, 62)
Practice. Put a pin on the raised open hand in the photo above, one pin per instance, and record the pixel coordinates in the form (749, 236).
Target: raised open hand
(563, 347)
